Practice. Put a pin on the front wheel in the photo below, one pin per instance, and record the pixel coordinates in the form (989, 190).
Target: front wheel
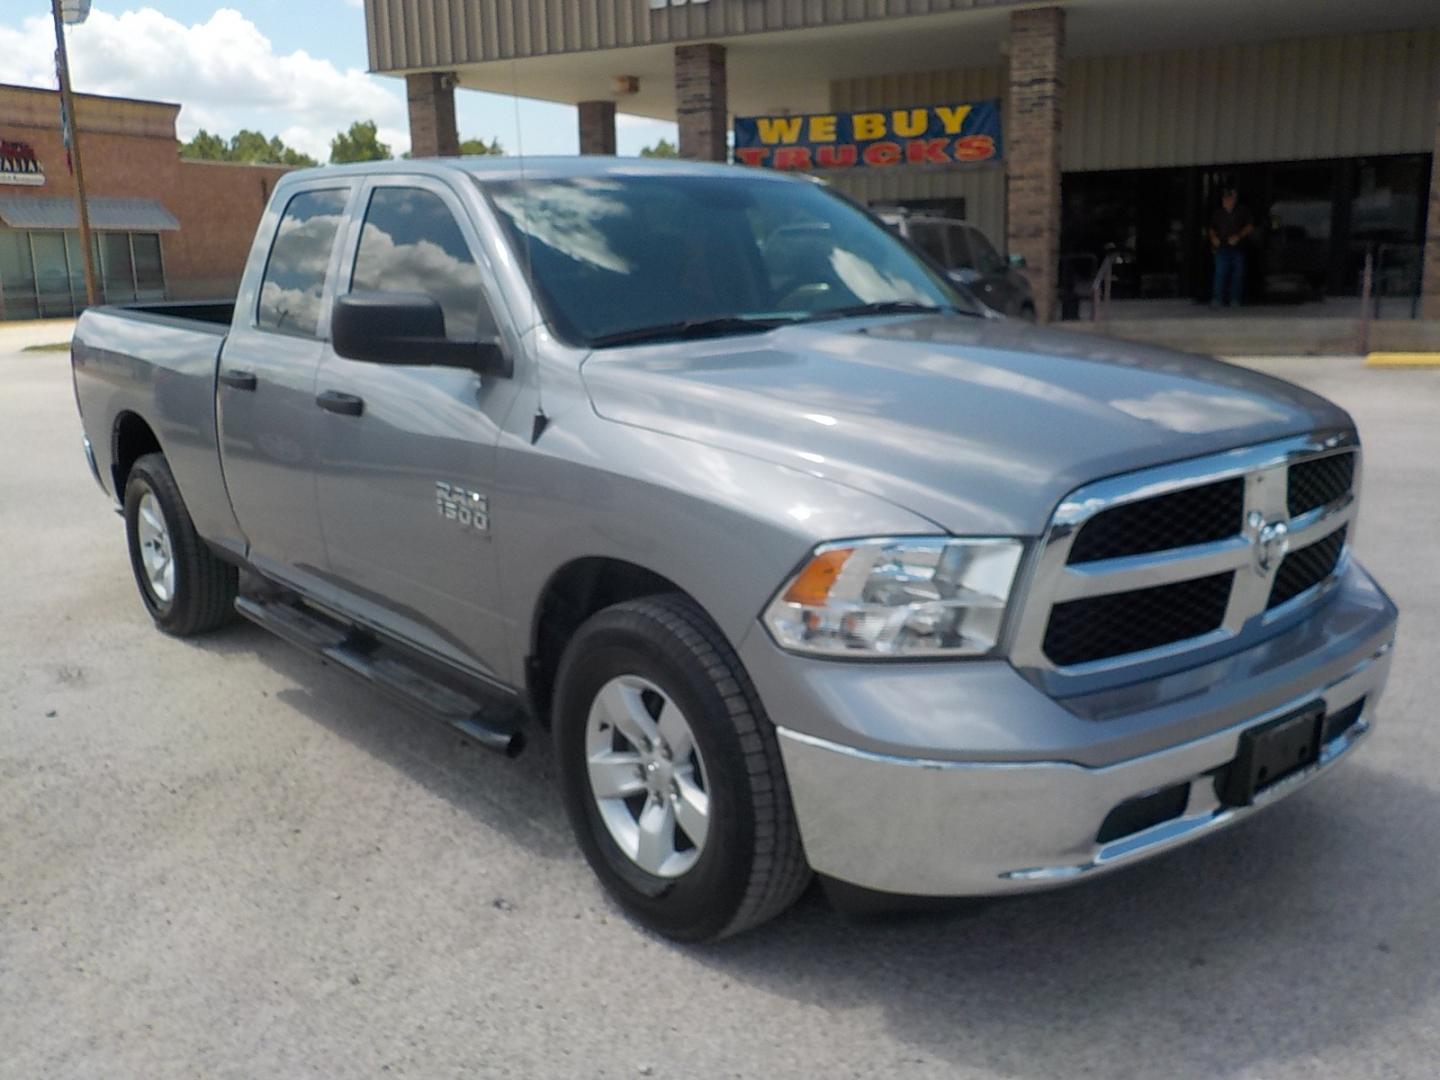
(185, 588)
(671, 774)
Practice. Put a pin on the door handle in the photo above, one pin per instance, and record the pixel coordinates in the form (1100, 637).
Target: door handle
(344, 404)
(238, 380)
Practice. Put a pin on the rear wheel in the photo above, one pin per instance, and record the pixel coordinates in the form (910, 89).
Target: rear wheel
(185, 588)
(671, 773)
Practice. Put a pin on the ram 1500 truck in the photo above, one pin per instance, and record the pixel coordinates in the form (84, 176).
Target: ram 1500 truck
(806, 561)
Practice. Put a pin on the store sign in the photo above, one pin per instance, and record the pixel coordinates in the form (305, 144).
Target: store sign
(19, 165)
(966, 134)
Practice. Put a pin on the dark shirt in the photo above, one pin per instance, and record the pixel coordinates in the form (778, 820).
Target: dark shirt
(1228, 223)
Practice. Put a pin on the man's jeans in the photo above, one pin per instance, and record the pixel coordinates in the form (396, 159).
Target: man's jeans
(1229, 276)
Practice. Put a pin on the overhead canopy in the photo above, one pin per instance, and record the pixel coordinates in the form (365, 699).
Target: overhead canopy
(129, 215)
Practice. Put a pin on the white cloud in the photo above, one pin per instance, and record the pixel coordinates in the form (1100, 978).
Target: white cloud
(224, 72)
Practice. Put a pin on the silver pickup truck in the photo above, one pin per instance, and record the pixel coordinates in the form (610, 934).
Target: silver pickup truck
(806, 561)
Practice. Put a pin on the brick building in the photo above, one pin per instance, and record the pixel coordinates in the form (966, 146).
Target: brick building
(1119, 120)
(163, 227)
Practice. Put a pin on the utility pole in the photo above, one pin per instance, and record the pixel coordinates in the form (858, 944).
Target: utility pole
(67, 102)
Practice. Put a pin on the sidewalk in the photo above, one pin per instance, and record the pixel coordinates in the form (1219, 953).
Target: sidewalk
(20, 335)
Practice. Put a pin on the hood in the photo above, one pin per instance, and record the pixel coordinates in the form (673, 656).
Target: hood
(982, 426)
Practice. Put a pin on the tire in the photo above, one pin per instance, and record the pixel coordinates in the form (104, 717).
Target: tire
(750, 865)
(199, 593)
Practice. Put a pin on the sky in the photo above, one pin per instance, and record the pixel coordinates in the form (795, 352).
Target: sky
(293, 68)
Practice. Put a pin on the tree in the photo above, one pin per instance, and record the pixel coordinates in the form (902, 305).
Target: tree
(663, 148)
(479, 147)
(250, 147)
(205, 147)
(472, 148)
(360, 143)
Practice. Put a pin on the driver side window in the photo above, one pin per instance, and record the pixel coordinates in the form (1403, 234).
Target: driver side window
(411, 243)
(987, 259)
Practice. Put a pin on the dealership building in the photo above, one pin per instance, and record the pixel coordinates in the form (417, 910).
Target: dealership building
(161, 226)
(1068, 132)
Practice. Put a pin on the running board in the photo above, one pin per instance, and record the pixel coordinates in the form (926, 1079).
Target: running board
(387, 669)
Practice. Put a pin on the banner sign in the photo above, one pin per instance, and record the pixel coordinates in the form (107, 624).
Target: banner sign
(966, 134)
(19, 165)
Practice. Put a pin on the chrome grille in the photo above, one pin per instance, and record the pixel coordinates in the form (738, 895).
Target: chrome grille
(1194, 516)
(1104, 626)
(1319, 481)
(1229, 559)
(1304, 569)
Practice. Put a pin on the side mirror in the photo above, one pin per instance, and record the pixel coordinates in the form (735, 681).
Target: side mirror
(965, 276)
(407, 328)
(1017, 261)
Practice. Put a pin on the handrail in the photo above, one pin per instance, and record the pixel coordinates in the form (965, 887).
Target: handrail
(1101, 286)
(1409, 248)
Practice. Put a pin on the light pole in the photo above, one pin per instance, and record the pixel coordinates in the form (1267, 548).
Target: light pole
(67, 103)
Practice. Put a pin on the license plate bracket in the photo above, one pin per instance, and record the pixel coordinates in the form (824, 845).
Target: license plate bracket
(1270, 752)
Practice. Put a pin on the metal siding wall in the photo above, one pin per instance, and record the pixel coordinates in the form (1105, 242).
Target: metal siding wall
(418, 34)
(982, 187)
(983, 190)
(1314, 98)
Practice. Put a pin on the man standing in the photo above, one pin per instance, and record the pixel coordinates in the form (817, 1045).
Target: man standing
(1228, 230)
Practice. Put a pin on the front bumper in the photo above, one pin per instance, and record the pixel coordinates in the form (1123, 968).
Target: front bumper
(925, 823)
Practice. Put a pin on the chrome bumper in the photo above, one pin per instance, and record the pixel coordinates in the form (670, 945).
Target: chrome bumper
(90, 460)
(946, 828)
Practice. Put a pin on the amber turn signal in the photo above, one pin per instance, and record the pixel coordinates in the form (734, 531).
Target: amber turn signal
(811, 586)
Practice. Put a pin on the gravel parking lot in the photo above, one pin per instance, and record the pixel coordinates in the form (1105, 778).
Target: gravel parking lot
(222, 859)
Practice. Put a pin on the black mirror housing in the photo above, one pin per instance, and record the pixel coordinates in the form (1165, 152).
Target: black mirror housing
(407, 329)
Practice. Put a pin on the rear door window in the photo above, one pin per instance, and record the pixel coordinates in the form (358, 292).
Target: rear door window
(412, 243)
(987, 259)
(293, 287)
(961, 255)
(931, 240)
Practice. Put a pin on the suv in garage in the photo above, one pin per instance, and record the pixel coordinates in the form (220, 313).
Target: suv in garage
(969, 258)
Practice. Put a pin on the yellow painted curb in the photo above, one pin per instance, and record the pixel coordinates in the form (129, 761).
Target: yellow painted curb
(1403, 359)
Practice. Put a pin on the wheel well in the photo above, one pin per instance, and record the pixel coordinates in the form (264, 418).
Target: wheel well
(133, 439)
(574, 593)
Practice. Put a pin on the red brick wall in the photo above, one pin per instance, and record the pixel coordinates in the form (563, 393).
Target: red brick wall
(431, 98)
(597, 127)
(701, 111)
(129, 150)
(1032, 146)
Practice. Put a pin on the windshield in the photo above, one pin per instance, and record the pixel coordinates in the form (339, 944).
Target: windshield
(615, 257)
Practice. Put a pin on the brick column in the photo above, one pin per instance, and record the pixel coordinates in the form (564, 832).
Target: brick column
(1032, 147)
(431, 96)
(701, 109)
(1430, 281)
(597, 127)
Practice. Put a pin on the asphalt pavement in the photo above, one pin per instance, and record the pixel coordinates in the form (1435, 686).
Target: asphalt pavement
(219, 858)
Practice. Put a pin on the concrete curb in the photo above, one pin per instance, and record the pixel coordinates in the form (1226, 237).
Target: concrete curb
(1403, 359)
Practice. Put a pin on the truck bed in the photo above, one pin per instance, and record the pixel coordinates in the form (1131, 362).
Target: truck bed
(210, 316)
(145, 375)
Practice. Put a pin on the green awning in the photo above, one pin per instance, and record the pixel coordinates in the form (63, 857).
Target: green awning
(112, 214)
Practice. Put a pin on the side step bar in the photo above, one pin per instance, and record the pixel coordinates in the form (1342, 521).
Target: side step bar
(387, 669)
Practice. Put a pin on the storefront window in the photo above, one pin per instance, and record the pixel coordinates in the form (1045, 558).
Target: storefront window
(117, 270)
(17, 276)
(42, 274)
(52, 274)
(149, 270)
(1387, 220)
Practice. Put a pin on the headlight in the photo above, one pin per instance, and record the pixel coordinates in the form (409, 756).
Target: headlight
(923, 596)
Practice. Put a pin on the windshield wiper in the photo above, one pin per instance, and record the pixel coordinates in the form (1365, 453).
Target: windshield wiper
(692, 328)
(885, 307)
